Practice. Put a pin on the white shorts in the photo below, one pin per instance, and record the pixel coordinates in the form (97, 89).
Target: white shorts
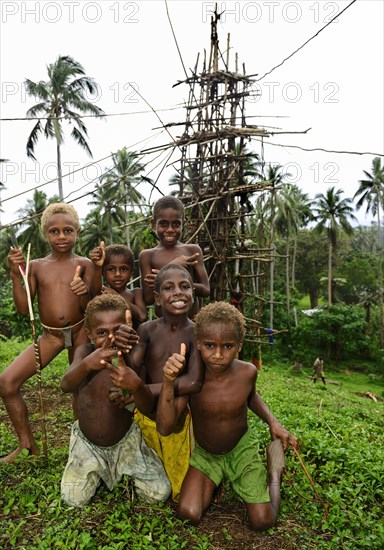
(88, 464)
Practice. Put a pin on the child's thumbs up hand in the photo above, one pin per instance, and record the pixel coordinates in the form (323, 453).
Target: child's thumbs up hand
(126, 336)
(98, 255)
(128, 318)
(77, 274)
(175, 364)
(77, 284)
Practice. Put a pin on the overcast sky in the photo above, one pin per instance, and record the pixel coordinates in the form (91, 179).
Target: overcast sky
(334, 85)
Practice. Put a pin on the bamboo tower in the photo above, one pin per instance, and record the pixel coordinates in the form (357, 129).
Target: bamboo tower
(213, 180)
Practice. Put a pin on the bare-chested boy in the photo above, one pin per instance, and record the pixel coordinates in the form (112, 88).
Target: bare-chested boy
(106, 443)
(167, 223)
(158, 340)
(225, 447)
(116, 263)
(61, 282)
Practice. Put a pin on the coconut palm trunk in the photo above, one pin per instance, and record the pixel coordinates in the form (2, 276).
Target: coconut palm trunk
(330, 252)
(380, 276)
(287, 284)
(59, 171)
(371, 192)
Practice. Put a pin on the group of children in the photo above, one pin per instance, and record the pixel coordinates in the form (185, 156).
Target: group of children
(164, 401)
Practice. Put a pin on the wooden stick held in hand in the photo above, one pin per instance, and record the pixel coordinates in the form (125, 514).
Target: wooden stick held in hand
(37, 359)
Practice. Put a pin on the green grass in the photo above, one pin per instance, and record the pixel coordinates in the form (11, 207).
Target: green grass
(305, 302)
(341, 445)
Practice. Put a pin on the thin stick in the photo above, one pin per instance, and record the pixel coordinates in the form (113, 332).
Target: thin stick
(37, 357)
(318, 497)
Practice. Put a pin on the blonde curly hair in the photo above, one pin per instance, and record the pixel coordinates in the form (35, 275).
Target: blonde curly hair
(59, 208)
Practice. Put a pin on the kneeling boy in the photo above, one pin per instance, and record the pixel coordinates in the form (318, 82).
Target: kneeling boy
(225, 447)
(106, 443)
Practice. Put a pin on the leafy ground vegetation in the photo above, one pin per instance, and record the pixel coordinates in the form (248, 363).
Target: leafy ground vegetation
(341, 445)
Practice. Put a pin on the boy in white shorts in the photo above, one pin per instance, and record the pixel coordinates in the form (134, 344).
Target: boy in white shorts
(106, 443)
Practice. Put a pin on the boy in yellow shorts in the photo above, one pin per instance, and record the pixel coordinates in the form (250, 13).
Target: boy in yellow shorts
(159, 339)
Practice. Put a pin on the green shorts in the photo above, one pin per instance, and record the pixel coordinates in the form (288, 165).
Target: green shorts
(242, 467)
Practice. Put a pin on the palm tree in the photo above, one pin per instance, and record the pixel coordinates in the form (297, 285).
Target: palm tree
(95, 228)
(107, 214)
(121, 179)
(274, 178)
(371, 192)
(293, 212)
(186, 180)
(62, 96)
(364, 238)
(30, 226)
(332, 213)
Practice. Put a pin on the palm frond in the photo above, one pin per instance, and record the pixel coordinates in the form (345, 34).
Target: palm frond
(32, 140)
(79, 138)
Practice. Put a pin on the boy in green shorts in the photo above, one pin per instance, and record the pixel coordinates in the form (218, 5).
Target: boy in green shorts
(225, 447)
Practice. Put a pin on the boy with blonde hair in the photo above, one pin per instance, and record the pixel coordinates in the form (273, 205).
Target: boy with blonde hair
(60, 280)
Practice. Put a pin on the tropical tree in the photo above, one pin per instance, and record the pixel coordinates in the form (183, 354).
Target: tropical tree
(61, 97)
(371, 192)
(185, 179)
(293, 212)
(312, 253)
(95, 229)
(275, 177)
(332, 214)
(122, 180)
(30, 231)
(364, 239)
(107, 214)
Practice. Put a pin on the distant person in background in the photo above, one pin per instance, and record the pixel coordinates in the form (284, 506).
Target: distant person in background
(318, 369)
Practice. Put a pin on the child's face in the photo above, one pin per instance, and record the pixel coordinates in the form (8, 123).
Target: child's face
(61, 233)
(105, 323)
(219, 345)
(117, 273)
(176, 293)
(168, 226)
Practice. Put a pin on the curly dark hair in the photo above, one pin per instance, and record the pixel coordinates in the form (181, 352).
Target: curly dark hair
(168, 202)
(119, 250)
(104, 302)
(220, 312)
(171, 267)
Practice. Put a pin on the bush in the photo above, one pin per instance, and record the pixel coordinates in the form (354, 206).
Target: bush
(11, 322)
(338, 329)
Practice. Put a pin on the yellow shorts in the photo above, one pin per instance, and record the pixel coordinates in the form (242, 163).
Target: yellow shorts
(174, 450)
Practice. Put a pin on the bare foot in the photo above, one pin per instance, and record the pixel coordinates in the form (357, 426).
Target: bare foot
(275, 458)
(11, 457)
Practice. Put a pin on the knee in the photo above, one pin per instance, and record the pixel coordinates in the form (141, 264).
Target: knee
(6, 386)
(260, 524)
(261, 517)
(190, 513)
